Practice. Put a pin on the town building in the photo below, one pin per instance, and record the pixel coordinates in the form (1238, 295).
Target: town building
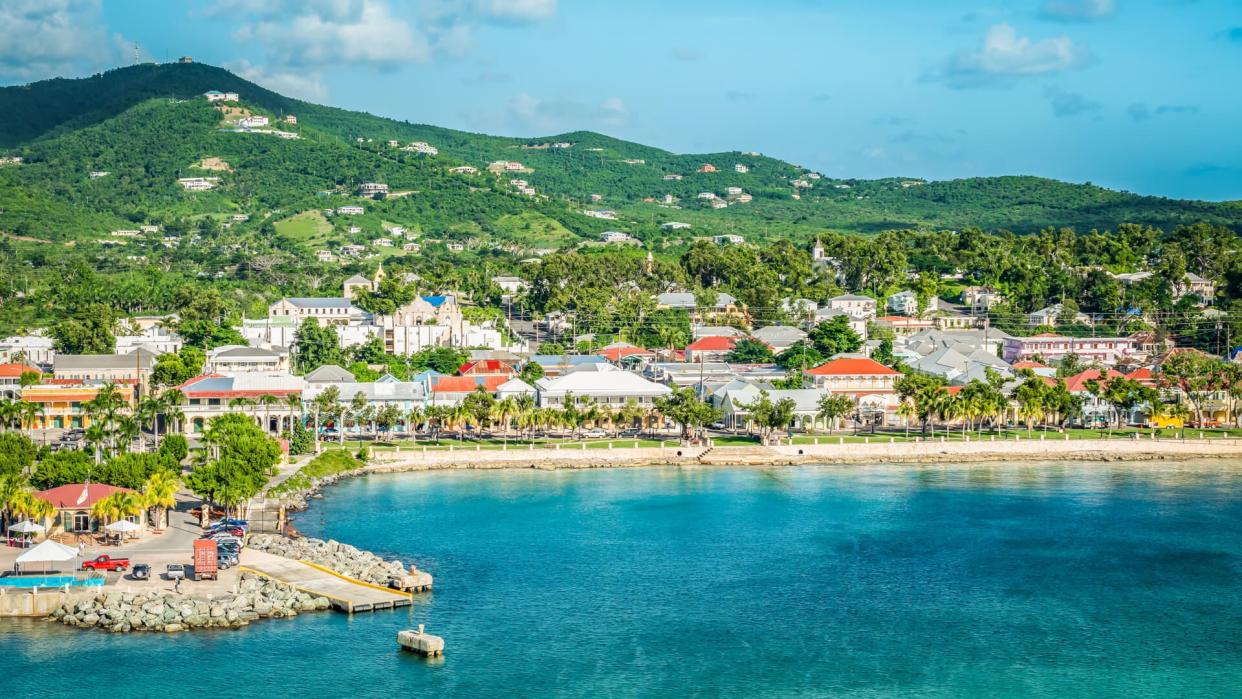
(370, 189)
(607, 386)
(11, 379)
(212, 395)
(232, 359)
(1051, 347)
(867, 381)
(61, 405)
(73, 505)
(854, 304)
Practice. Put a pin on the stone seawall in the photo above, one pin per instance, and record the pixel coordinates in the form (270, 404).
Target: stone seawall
(343, 559)
(120, 612)
(830, 450)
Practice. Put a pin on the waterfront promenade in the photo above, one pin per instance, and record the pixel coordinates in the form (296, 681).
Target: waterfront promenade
(1035, 447)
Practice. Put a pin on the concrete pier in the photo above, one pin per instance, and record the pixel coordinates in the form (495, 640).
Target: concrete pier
(347, 594)
(418, 641)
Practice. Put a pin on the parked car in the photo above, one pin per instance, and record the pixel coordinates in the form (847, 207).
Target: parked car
(141, 571)
(596, 433)
(106, 563)
(630, 432)
(174, 571)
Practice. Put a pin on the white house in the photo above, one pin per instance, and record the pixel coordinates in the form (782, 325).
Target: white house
(675, 226)
(607, 385)
(350, 210)
(370, 189)
(253, 122)
(197, 184)
(614, 237)
(729, 239)
(854, 304)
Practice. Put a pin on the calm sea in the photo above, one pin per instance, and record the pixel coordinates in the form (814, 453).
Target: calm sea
(1049, 580)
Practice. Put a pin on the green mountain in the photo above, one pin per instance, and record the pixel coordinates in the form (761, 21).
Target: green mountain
(147, 125)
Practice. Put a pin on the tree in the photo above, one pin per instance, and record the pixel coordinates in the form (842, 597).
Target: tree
(835, 336)
(925, 393)
(1196, 375)
(159, 492)
(771, 417)
(89, 331)
(117, 506)
(750, 351)
(315, 345)
(687, 410)
(800, 356)
(174, 448)
(61, 468)
(239, 457)
(531, 372)
(833, 407)
(17, 452)
(174, 369)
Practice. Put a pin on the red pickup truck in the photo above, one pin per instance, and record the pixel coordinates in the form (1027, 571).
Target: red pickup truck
(106, 563)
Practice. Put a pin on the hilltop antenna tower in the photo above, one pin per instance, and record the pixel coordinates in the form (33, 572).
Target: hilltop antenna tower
(135, 53)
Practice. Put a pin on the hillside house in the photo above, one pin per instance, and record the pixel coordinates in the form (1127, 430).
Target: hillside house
(706, 167)
(253, 122)
(197, 184)
(370, 189)
(855, 305)
(350, 210)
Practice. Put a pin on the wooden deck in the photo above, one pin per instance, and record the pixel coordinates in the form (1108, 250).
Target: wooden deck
(347, 594)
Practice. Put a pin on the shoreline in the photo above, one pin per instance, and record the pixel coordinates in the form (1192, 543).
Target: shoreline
(1144, 452)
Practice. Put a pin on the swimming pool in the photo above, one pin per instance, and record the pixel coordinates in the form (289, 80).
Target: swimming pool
(49, 581)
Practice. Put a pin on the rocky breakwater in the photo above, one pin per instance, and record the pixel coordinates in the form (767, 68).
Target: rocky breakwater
(256, 598)
(343, 559)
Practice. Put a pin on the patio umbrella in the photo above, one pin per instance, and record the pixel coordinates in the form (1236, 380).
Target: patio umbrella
(123, 527)
(26, 527)
(48, 552)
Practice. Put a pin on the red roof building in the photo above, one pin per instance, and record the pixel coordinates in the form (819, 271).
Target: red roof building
(486, 367)
(449, 386)
(866, 380)
(79, 495)
(1078, 382)
(619, 352)
(852, 366)
(711, 348)
(15, 371)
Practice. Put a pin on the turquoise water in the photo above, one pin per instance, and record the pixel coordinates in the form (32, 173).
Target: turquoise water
(49, 581)
(1083, 580)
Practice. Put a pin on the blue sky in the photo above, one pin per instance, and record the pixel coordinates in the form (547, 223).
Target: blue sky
(1141, 96)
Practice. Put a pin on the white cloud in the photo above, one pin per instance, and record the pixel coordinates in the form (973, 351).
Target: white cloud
(516, 10)
(1005, 56)
(566, 113)
(304, 85)
(45, 38)
(1077, 10)
(328, 32)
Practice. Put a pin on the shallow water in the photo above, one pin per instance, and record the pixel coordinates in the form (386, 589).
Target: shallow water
(1041, 580)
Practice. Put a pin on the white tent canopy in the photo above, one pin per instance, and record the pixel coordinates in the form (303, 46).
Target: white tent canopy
(26, 527)
(48, 552)
(123, 525)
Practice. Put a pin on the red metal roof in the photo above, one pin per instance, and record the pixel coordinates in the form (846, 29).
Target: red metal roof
(485, 366)
(467, 384)
(1078, 382)
(614, 354)
(1029, 365)
(712, 343)
(72, 495)
(852, 366)
(15, 371)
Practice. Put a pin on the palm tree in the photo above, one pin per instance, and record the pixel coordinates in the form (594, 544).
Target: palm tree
(159, 493)
(9, 412)
(294, 402)
(127, 430)
(503, 412)
(26, 505)
(30, 412)
(170, 407)
(908, 411)
(96, 436)
(413, 419)
(10, 485)
(148, 413)
(267, 400)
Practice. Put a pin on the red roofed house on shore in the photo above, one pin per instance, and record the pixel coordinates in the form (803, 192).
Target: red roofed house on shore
(73, 504)
(450, 390)
(1095, 411)
(866, 380)
(712, 348)
(11, 379)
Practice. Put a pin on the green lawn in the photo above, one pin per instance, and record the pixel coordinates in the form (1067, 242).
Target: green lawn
(305, 226)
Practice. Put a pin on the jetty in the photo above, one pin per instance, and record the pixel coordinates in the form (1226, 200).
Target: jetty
(346, 594)
(421, 642)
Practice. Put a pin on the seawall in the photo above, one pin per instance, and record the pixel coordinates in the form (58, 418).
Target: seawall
(1036, 447)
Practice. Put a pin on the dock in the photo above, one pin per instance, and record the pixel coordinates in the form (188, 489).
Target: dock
(347, 594)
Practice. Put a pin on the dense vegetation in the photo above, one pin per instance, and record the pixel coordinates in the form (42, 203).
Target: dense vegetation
(148, 125)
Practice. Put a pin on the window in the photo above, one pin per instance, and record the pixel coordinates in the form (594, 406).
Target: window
(81, 521)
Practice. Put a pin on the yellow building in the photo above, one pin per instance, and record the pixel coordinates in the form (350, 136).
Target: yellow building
(62, 404)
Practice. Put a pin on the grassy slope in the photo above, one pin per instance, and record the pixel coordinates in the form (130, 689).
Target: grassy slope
(31, 118)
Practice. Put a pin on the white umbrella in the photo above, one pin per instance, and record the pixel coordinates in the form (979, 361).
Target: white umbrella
(48, 552)
(123, 525)
(27, 527)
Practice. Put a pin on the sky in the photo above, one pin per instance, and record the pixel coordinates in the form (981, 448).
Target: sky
(1139, 96)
